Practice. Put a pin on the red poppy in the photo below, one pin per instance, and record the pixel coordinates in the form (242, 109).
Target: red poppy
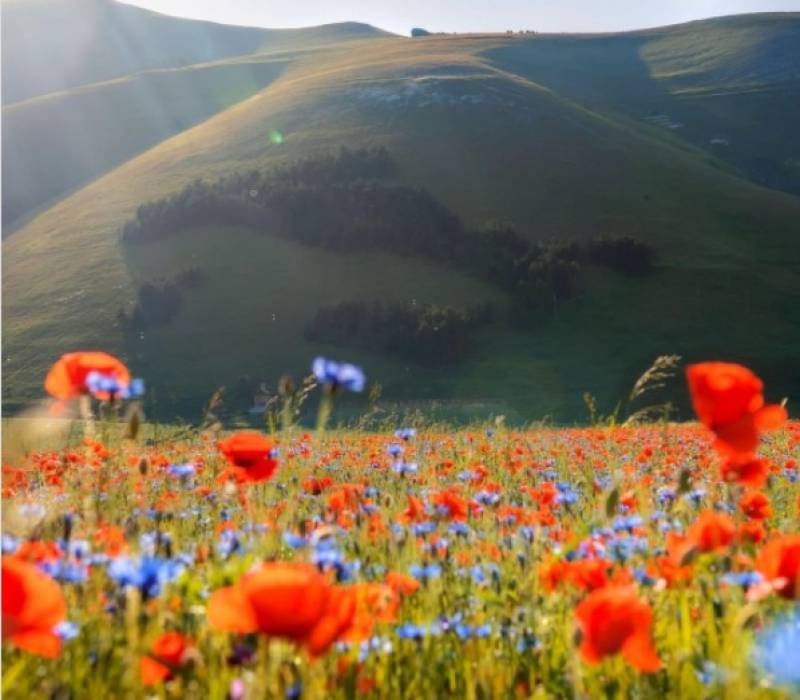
(752, 531)
(33, 605)
(779, 562)
(402, 583)
(728, 399)
(712, 531)
(375, 602)
(250, 453)
(288, 600)
(67, 377)
(450, 504)
(415, 511)
(170, 651)
(316, 486)
(748, 471)
(615, 620)
(38, 551)
(755, 505)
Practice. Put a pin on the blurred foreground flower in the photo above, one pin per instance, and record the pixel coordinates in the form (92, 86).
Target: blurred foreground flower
(33, 607)
(777, 651)
(613, 620)
(728, 399)
(779, 562)
(338, 374)
(170, 651)
(289, 600)
(251, 456)
(90, 373)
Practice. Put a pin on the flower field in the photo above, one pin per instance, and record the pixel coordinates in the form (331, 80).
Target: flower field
(609, 561)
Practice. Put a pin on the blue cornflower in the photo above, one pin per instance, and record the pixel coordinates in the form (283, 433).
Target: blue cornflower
(99, 383)
(405, 468)
(629, 523)
(425, 571)
(696, 496)
(745, 579)
(405, 433)
(229, 543)
(459, 529)
(10, 544)
(294, 541)
(643, 577)
(408, 630)
(527, 641)
(336, 374)
(66, 571)
(421, 529)
(623, 548)
(487, 498)
(777, 651)
(710, 673)
(327, 557)
(181, 470)
(67, 630)
(479, 632)
(666, 495)
(395, 450)
(477, 574)
(568, 497)
(148, 574)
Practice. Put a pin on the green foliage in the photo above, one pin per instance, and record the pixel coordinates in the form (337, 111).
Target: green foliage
(624, 254)
(425, 334)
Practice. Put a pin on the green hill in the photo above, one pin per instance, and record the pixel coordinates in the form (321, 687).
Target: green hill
(468, 118)
(56, 143)
(89, 84)
(729, 86)
(54, 45)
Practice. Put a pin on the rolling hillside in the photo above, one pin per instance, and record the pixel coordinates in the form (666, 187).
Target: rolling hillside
(89, 84)
(474, 120)
(56, 143)
(55, 45)
(730, 86)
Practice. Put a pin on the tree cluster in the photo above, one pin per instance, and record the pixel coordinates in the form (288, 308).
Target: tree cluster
(424, 334)
(343, 202)
(624, 254)
(160, 302)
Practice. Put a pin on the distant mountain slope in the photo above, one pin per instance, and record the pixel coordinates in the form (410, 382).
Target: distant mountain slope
(53, 45)
(730, 86)
(120, 79)
(463, 120)
(55, 143)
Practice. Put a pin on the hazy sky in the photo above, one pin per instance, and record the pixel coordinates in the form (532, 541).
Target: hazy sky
(465, 15)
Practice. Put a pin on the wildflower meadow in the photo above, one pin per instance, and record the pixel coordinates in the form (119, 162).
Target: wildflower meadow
(616, 560)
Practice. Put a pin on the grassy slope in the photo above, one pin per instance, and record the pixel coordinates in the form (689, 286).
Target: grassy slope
(736, 79)
(56, 143)
(53, 45)
(118, 80)
(491, 144)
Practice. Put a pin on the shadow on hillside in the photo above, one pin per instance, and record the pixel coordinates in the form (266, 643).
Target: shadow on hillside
(752, 131)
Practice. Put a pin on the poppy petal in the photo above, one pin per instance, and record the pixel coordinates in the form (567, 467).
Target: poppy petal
(639, 652)
(39, 642)
(229, 610)
(771, 417)
(152, 672)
